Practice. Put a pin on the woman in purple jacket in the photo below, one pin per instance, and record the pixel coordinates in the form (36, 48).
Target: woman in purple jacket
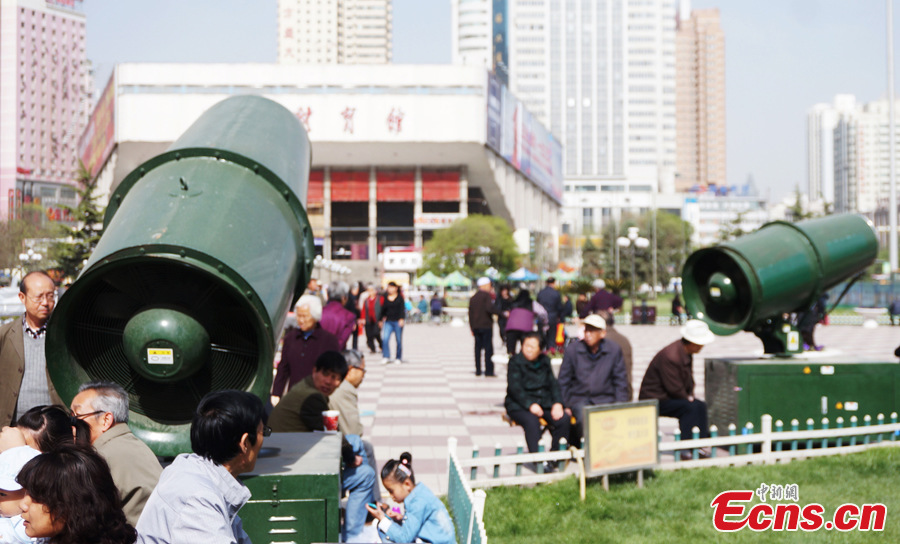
(521, 320)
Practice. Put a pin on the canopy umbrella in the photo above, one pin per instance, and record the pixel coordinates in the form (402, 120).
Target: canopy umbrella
(456, 279)
(523, 274)
(428, 279)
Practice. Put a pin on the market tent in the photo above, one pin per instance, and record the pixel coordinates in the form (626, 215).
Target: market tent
(456, 279)
(428, 279)
(523, 274)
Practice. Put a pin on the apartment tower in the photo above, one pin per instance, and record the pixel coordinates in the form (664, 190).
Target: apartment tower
(700, 97)
(44, 100)
(334, 32)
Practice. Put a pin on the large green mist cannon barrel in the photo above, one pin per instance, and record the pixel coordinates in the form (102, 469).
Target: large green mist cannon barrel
(751, 282)
(205, 248)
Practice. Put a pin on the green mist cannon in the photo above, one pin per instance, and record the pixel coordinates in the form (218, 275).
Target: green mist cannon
(752, 282)
(205, 248)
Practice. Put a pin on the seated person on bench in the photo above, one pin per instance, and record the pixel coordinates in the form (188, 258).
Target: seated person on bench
(670, 380)
(532, 393)
(593, 371)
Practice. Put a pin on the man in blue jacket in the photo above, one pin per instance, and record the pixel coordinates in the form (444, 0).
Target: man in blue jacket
(592, 371)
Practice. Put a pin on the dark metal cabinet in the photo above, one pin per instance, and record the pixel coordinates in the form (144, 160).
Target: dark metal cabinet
(296, 490)
(742, 390)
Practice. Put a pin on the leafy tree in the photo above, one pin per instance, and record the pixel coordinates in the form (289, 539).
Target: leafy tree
(472, 245)
(13, 232)
(591, 258)
(797, 211)
(732, 229)
(81, 239)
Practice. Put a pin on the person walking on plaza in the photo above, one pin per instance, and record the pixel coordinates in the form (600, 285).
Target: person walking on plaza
(602, 300)
(481, 322)
(371, 308)
(199, 495)
(521, 320)
(670, 380)
(392, 317)
(437, 309)
(592, 371)
(336, 319)
(302, 346)
(24, 381)
(532, 393)
(502, 306)
(352, 306)
(134, 467)
(551, 300)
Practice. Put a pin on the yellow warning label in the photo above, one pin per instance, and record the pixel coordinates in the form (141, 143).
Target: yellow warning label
(161, 356)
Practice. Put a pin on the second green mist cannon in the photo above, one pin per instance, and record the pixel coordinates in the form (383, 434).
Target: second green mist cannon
(751, 282)
(204, 249)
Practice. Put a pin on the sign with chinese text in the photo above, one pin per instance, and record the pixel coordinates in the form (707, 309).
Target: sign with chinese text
(620, 437)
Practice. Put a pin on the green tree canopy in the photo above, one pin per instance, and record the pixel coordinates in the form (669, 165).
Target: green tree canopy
(80, 240)
(472, 245)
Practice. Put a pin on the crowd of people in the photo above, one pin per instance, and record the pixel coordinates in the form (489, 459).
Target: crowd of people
(596, 368)
(78, 474)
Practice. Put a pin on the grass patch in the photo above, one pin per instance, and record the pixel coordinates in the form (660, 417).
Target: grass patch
(674, 505)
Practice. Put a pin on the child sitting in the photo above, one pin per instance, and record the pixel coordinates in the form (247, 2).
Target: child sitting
(12, 527)
(425, 515)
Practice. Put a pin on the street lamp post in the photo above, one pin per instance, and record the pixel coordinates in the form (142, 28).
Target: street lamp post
(634, 241)
(29, 256)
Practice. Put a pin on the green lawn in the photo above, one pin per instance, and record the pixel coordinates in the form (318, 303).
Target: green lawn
(675, 506)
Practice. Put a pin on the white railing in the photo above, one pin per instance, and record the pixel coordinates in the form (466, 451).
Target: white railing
(466, 506)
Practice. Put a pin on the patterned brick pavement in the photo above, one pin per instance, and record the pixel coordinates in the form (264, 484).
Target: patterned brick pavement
(435, 394)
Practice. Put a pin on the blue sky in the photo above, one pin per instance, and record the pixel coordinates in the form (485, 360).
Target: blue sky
(782, 56)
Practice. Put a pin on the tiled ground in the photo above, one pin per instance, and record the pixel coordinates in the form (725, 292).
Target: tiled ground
(435, 394)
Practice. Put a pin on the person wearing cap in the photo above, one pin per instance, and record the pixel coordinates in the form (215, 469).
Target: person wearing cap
(12, 527)
(669, 379)
(592, 371)
(481, 321)
(134, 467)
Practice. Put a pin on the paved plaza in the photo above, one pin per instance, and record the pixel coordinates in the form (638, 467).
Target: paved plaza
(435, 394)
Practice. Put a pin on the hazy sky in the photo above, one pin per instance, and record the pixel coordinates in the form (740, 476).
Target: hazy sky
(782, 56)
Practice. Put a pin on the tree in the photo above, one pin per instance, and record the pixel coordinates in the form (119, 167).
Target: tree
(81, 239)
(14, 231)
(732, 228)
(472, 245)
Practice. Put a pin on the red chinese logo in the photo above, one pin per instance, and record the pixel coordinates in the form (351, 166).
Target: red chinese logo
(347, 114)
(395, 120)
(303, 116)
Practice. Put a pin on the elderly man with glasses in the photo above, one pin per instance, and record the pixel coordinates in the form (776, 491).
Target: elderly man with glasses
(134, 467)
(24, 382)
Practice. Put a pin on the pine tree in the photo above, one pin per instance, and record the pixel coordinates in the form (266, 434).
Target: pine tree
(81, 239)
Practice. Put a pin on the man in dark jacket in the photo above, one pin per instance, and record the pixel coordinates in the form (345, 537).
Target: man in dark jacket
(615, 336)
(481, 321)
(551, 300)
(669, 379)
(602, 300)
(532, 392)
(592, 371)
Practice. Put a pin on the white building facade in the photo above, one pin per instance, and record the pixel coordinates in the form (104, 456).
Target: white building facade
(601, 76)
(821, 120)
(862, 158)
(470, 32)
(335, 31)
(398, 151)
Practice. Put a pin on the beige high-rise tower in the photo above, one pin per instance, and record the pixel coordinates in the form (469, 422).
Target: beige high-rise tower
(700, 99)
(334, 31)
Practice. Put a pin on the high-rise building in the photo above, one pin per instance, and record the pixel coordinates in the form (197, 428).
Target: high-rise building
(821, 121)
(862, 158)
(43, 102)
(470, 32)
(334, 31)
(601, 75)
(700, 97)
